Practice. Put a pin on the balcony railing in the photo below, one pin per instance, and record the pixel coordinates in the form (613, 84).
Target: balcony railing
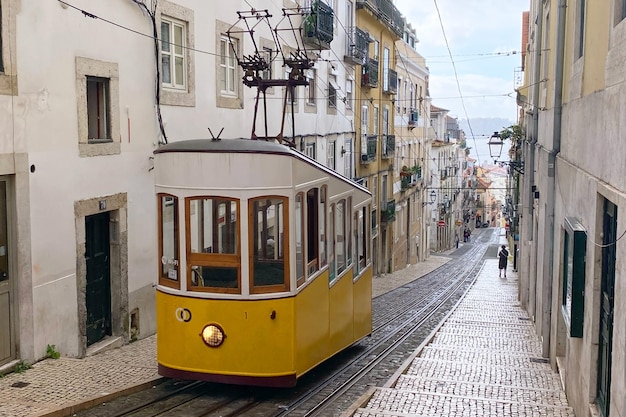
(369, 76)
(386, 12)
(391, 82)
(389, 146)
(356, 47)
(413, 117)
(370, 156)
(388, 214)
(318, 26)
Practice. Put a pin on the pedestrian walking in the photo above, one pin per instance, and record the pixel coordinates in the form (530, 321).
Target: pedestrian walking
(503, 256)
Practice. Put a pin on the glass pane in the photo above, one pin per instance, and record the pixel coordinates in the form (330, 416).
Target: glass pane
(231, 79)
(165, 69)
(340, 245)
(165, 36)
(179, 71)
(268, 240)
(213, 226)
(169, 237)
(212, 276)
(223, 52)
(322, 227)
(331, 242)
(299, 251)
(178, 40)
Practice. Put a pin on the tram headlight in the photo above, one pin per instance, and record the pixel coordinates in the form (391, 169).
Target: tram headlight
(213, 335)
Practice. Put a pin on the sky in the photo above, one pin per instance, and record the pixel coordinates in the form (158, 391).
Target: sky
(484, 37)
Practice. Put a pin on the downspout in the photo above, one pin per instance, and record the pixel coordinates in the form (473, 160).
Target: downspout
(556, 148)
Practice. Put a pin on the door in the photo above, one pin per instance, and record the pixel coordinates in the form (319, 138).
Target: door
(7, 341)
(605, 339)
(98, 292)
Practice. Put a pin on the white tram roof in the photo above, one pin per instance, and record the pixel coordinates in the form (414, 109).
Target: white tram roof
(241, 165)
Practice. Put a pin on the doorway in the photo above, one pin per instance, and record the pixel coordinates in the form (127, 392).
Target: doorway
(7, 336)
(98, 264)
(605, 339)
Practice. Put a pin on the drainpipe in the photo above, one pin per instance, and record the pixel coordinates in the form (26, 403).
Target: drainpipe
(556, 148)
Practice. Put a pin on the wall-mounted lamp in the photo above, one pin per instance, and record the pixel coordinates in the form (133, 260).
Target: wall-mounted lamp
(495, 150)
(433, 197)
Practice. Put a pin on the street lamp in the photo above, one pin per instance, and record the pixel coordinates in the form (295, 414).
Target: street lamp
(495, 150)
(433, 197)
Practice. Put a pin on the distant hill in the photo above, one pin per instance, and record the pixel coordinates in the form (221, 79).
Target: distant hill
(484, 126)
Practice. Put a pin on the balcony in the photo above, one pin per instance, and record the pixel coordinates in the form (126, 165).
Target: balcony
(385, 12)
(388, 214)
(391, 81)
(356, 47)
(413, 117)
(369, 75)
(388, 147)
(318, 26)
(370, 156)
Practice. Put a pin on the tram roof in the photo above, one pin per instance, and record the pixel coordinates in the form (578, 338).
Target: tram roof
(248, 146)
(225, 145)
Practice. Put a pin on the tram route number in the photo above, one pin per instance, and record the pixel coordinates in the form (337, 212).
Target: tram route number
(183, 314)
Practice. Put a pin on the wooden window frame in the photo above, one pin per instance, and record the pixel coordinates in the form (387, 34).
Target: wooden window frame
(285, 287)
(172, 54)
(312, 237)
(300, 269)
(163, 279)
(322, 224)
(219, 260)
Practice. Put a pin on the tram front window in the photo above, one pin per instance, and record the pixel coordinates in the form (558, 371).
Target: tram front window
(213, 255)
(268, 240)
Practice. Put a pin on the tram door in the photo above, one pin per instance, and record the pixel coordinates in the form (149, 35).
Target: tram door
(606, 307)
(7, 342)
(98, 292)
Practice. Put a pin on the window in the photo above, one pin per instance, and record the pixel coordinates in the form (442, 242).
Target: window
(331, 155)
(331, 244)
(8, 62)
(364, 128)
(173, 68)
(97, 98)
(228, 66)
(360, 225)
(332, 92)
(98, 123)
(349, 94)
(340, 236)
(299, 224)
(177, 59)
(623, 11)
(312, 230)
(376, 120)
(268, 54)
(213, 256)
(573, 279)
(168, 241)
(386, 69)
(322, 226)
(348, 234)
(291, 91)
(310, 89)
(309, 150)
(376, 49)
(269, 233)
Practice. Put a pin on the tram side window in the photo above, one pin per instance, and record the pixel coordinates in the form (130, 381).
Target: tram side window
(331, 243)
(348, 224)
(299, 240)
(269, 233)
(312, 230)
(213, 244)
(168, 241)
(360, 224)
(340, 236)
(322, 226)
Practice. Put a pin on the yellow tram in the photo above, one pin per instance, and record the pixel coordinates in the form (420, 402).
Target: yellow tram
(265, 262)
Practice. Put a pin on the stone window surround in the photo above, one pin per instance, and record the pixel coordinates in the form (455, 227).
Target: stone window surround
(224, 101)
(171, 96)
(8, 78)
(95, 68)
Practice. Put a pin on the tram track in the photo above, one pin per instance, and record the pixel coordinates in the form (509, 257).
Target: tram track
(403, 318)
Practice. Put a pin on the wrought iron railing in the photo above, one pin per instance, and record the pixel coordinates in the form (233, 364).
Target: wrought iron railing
(391, 84)
(356, 47)
(369, 76)
(386, 12)
(389, 146)
(318, 25)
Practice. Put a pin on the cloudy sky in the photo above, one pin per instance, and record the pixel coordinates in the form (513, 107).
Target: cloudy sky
(484, 37)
